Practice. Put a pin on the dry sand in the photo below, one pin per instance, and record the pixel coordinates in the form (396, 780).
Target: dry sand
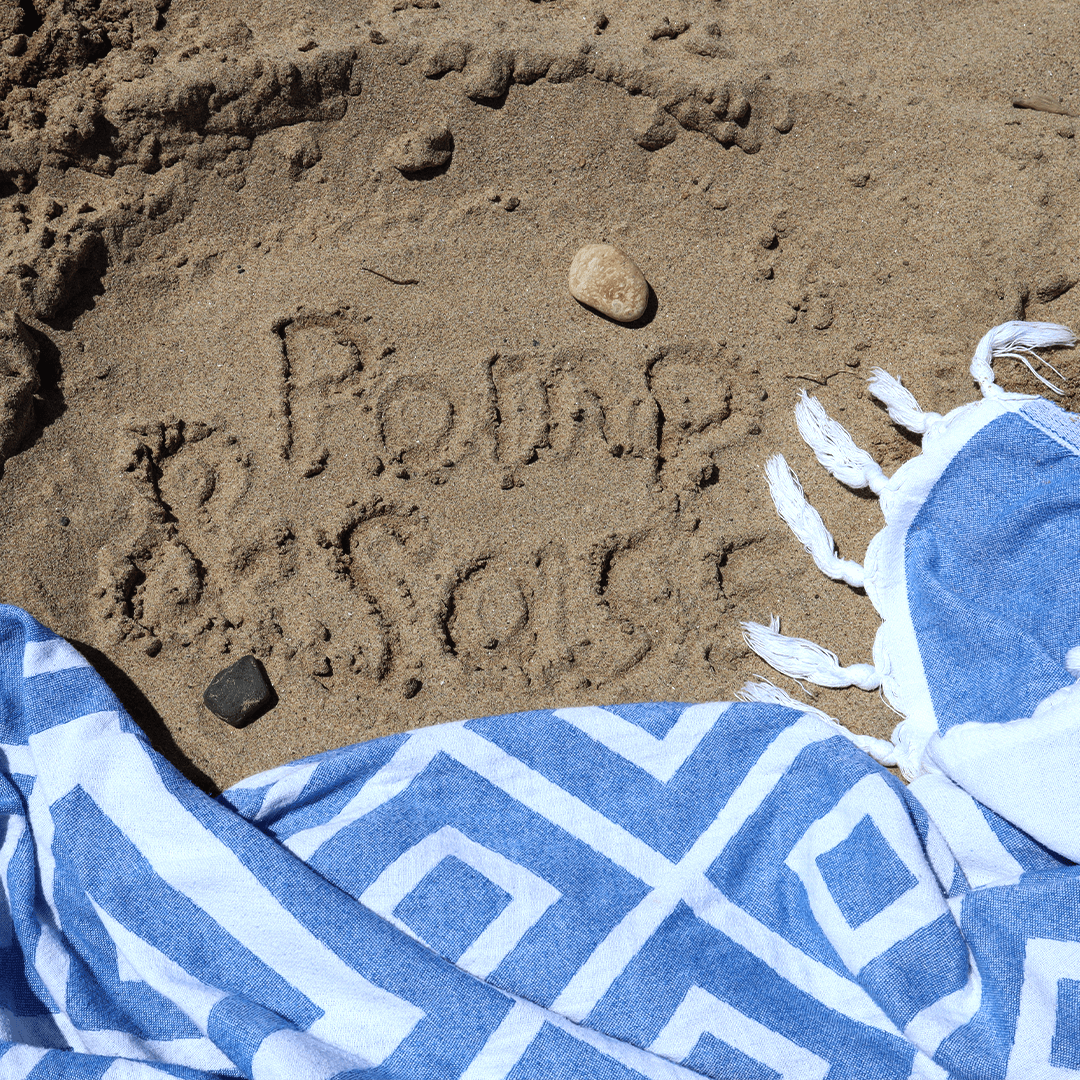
(470, 494)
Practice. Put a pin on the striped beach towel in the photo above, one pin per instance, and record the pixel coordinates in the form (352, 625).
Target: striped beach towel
(738, 891)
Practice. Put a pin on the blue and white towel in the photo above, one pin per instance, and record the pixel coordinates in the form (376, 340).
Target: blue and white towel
(665, 891)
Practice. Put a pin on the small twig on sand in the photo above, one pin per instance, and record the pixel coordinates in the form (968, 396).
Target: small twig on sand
(393, 281)
(817, 377)
(1042, 103)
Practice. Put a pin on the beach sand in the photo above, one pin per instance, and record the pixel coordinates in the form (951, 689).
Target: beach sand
(292, 401)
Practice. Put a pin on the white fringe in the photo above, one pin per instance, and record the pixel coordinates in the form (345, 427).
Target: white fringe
(834, 447)
(1017, 341)
(801, 659)
(805, 522)
(900, 402)
(880, 750)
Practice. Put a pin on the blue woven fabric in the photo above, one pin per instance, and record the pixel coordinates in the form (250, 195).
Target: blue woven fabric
(465, 902)
(982, 577)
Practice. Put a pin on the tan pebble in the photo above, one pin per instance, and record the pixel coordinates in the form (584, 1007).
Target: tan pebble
(606, 279)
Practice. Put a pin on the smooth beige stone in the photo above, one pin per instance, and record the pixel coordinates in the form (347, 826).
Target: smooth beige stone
(606, 278)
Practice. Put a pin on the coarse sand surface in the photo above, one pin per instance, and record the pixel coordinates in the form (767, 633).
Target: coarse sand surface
(289, 367)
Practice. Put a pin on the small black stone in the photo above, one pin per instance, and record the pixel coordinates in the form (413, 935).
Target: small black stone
(240, 693)
(411, 688)
(65, 521)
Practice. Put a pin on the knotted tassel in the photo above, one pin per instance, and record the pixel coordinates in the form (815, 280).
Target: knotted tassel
(902, 407)
(834, 447)
(805, 522)
(1017, 341)
(881, 750)
(801, 659)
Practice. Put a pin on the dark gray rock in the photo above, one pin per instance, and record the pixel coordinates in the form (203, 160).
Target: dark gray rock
(240, 693)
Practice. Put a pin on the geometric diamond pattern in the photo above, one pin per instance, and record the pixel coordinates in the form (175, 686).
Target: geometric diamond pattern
(865, 855)
(451, 906)
(628, 893)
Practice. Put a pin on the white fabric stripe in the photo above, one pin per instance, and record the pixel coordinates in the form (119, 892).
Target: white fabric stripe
(611, 956)
(1054, 422)
(512, 1038)
(595, 978)
(506, 1044)
(650, 1065)
(916, 907)
(754, 789)
(555, 804)
(660, 758)
(937, 1022)
(981, 855)
(18, 1062)
(940, 857)
(412, 757)
(18, 759)
(198, 1053)
(55, 654)
(294, 1055)
(163, 974)
(43, 830)
(1012, 768)
(268, 777)
(93, 752)
(124, 1069)
(569, 813)
(13, 829)
(805, 973)
(52, 957)
(52, 964)
(286, 790)
(564, 810)
(124, 971)
(530, 895)
(700, 1012)
(1046, 963)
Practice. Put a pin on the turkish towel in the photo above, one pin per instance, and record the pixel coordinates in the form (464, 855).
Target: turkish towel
(662, 890)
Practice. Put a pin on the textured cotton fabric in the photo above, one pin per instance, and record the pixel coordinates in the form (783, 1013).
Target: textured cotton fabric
(659, 890)
(652, 890)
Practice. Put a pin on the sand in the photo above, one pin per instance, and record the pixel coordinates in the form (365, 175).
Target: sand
(295, 402)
